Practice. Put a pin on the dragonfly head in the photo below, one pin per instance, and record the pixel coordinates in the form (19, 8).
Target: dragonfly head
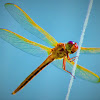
(71, 47)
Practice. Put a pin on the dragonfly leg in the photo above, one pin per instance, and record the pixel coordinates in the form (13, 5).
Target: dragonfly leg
(64, 63)
(64, 67)
(72, 59)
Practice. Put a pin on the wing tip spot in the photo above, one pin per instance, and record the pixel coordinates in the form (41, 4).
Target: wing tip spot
(7, 4)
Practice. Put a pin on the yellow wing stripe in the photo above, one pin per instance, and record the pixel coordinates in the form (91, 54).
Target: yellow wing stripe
(51, 40)
(87, 72)
(90, 50)
(28, 41)
(24, 44)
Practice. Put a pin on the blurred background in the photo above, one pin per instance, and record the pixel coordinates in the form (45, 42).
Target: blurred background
(64, 20)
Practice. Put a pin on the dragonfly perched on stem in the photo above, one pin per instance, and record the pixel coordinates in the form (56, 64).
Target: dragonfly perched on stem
(59, 54)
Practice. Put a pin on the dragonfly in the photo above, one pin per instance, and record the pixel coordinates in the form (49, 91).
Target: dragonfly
(58, 54)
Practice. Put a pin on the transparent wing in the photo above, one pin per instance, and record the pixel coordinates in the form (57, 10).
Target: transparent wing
(81, 72)
(90, 50)
(24, 44)
(22, 18)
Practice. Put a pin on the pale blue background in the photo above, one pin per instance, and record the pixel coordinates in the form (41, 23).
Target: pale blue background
(63, 19)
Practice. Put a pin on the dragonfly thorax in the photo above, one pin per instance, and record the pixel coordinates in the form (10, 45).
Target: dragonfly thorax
(59, 51)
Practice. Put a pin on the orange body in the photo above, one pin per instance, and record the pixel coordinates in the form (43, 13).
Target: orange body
(58, 52)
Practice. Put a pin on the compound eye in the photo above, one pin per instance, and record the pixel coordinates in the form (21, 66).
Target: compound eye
(71, 42)
(74, 48)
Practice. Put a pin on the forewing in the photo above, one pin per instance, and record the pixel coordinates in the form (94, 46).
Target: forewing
(81, 72)
(23, 44)
(90, 50)
(22, 18)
